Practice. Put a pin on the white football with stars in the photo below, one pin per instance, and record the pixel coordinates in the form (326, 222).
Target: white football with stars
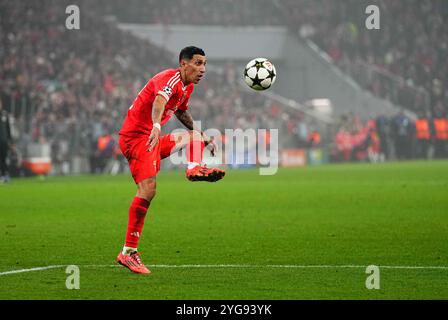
(260, 74)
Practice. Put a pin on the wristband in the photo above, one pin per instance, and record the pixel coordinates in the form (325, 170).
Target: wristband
(157, 125)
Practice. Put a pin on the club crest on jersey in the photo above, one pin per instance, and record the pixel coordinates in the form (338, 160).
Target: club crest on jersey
(182, 99)
(168, 90)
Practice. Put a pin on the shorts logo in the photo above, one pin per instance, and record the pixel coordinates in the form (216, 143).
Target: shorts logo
(167, 90)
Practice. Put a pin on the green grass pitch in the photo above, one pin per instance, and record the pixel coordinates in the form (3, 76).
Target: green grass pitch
(393, 214)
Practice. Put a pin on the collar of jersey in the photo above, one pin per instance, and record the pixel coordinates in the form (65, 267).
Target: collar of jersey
(183, 86)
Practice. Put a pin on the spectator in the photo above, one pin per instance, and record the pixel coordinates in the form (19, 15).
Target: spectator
(5, 144)
(402, 132)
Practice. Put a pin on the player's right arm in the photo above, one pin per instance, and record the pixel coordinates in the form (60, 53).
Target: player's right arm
(158, 107)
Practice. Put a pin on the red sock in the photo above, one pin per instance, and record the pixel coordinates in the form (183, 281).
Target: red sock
(195, 150)
(137, 214)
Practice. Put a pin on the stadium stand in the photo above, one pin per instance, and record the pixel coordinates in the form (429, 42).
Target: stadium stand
(404, 61)
(69, 89)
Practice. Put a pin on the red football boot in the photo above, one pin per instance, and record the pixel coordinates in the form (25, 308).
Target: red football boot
(202, 173)
(133, 262)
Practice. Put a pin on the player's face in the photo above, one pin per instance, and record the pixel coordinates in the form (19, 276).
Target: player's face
(195, 68)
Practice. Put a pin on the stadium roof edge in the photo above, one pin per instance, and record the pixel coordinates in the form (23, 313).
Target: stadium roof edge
(219, 42)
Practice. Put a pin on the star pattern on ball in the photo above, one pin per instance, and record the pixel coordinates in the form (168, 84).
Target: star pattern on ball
(271, 75)
(258, 64)
(256, 80)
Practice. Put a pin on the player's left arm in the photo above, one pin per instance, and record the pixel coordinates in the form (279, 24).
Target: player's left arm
(186, 119)
(184, 116)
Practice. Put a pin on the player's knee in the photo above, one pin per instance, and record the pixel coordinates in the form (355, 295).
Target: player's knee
(150, 194)
(147, 189)
(147, 193)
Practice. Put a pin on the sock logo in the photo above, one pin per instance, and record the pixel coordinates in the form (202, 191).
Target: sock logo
(136, 234)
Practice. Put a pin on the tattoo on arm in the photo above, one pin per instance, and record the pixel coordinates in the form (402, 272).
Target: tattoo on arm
(185, 118)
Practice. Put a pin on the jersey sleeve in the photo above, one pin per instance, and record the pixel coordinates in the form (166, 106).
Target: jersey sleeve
(166, 85)
(184, 105)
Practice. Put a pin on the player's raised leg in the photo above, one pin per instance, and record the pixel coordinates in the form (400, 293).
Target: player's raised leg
(195, 145)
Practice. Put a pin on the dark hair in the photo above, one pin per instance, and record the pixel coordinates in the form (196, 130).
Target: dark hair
(187, 53)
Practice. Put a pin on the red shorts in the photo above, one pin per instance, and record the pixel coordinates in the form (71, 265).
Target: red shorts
(144, 164)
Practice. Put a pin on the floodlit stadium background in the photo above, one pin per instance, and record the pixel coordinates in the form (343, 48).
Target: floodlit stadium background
(67, 91)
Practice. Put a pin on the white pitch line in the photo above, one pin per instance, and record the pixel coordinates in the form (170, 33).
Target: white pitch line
(29, 270)
(356, 266)
(283, 266)
(190, 266)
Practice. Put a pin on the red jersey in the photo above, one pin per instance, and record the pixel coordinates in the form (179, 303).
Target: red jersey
(167, 84)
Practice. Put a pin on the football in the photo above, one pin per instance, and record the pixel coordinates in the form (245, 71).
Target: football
(260, 74)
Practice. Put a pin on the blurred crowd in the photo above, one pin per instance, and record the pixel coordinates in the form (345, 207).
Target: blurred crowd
(70, 89)
(404, 61)
(384, 138)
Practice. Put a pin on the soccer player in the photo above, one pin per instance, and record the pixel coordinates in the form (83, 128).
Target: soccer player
(141, 142)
